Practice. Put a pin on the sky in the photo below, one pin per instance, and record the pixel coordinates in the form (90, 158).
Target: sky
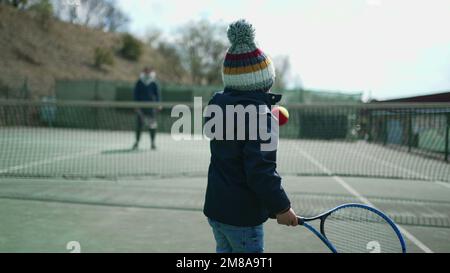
(381, 48)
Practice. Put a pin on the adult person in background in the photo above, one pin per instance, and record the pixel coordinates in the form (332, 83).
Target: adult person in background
(146, 90)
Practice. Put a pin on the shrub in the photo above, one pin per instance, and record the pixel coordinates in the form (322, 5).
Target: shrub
(44, 11)
(131, 48)
(4, 90)
(103, 56)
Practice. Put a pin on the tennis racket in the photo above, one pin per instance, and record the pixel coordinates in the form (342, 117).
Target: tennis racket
(356, 228)
(150, 122)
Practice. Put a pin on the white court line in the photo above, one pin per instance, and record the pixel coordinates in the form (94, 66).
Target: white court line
(391, 165)
(443, 184)
(47, 161)
(394, 166)
(355, 193)
(408, 235)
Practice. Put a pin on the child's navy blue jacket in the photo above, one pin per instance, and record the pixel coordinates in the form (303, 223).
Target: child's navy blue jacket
(244, 188)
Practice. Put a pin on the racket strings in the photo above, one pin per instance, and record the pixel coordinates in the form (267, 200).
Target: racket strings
(358, 230)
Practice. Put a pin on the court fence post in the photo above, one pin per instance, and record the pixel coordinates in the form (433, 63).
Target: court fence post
(410, 133)
(447, 133)
(369, 130)
(385, 129)
(96, 110)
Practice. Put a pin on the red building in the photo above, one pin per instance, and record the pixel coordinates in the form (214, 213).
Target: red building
(439, 97)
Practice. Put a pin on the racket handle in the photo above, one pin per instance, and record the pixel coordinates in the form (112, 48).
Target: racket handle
(300, 221)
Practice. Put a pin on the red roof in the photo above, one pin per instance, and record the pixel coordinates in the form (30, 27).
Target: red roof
(439, 97)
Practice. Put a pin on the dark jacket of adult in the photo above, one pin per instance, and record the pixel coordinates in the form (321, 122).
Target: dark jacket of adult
(146, 93)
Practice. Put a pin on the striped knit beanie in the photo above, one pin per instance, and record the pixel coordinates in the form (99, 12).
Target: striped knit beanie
(246, 67)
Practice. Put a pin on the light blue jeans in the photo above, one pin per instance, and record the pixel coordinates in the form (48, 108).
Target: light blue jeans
(234, 239)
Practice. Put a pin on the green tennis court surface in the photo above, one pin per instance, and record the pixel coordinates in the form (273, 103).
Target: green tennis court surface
(78, 180)
(164, 215)
(43, 152)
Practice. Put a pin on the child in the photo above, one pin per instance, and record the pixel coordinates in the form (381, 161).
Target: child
(244, 188)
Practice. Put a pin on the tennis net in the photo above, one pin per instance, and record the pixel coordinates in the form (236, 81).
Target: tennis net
(95, 139)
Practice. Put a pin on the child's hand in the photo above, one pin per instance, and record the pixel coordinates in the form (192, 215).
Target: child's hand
(288, 218)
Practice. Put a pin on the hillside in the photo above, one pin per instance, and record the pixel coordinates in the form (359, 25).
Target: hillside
(64, 51)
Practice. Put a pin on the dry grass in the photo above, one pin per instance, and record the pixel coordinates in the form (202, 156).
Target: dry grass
(64, 51)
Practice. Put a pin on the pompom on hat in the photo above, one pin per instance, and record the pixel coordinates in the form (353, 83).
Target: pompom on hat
(246, 67)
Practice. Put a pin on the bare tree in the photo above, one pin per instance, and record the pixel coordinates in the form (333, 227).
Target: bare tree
(19, 4)
(168, 60)
(92, 9)
(202, 46)
(73, 14)
(172, 60)
(283, 69)
(102, 14)
(66, 10)
(114, 18)
(154, 37)
(59, 8)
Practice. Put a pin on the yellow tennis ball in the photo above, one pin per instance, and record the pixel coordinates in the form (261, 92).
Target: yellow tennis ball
(282, 114)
